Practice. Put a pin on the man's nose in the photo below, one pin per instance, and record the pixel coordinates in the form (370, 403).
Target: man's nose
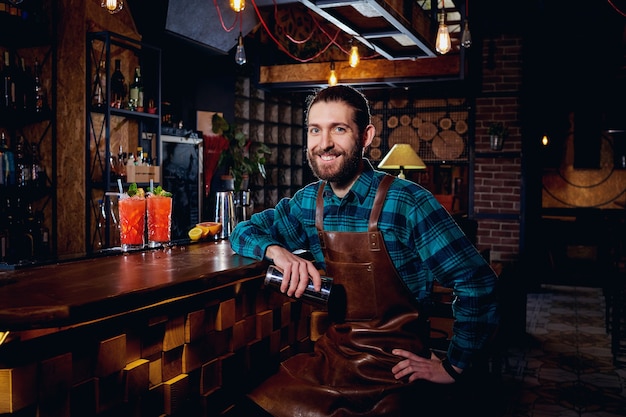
(326, 140)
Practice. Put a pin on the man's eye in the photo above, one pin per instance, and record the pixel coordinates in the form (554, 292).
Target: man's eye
(313, 130)
(340, 129)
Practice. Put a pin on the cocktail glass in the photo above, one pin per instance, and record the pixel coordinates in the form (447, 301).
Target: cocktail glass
(159, 220)
(132, 219)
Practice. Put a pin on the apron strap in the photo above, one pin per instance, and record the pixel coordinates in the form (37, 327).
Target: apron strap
(377, 208)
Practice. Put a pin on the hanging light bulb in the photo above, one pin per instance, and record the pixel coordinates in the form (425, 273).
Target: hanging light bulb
(545, 140)
(443, 44)
(240, 54)
(354, 56)
(466, 37)
(332, 79)
(112, 6)
(237, 5)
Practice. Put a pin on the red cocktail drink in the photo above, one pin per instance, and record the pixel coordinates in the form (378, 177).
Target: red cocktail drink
(159, 219)
(132, 213)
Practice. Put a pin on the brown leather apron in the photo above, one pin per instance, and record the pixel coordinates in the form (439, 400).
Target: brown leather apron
(349, 372)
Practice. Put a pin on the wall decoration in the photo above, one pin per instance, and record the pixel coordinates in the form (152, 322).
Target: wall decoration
(436, 128)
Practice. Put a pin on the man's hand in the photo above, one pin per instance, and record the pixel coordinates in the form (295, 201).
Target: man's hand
(415, 367)
(296, 271)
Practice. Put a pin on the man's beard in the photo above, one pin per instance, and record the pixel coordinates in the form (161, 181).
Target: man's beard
(344, 174)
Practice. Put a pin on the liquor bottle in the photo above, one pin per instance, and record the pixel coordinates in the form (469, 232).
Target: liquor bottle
(135, 97)
(40, 95)
(24, 84)
(118, 86)
(30, 234)
(44, 233)
(98, 96)
(8, 161)
(131, 160)
(21, 163)
(36, 170)
(8, 84)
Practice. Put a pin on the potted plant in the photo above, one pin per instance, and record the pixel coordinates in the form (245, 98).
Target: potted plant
(497, 134)
(242, 157)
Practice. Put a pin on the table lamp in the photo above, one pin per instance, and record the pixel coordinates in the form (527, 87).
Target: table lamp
(402, 156)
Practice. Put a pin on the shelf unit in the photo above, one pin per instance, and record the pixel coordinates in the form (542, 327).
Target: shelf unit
(277, 121)
(27, 33)
(110, 128)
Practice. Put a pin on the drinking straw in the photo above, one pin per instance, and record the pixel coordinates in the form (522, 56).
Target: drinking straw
(151, 185)
(119, 186)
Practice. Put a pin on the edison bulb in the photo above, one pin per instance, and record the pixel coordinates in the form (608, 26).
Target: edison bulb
(240, 53)
(443, 44)
(113, 6)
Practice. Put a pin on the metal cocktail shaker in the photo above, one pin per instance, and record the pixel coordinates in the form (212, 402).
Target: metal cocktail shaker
(274, 277)
(225, 213)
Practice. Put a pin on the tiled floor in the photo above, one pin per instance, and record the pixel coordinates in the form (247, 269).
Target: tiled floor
(565, 367)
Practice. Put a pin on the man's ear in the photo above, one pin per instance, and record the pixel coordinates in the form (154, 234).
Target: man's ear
(368, 136)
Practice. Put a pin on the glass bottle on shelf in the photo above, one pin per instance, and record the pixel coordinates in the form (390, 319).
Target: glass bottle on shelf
(36, 170)
(121, 164)
(8, 161)
(135, 96)
(21, 163)
(98, 93)
(118, 86)
(24, 87)
(41, 99)
(8, 84)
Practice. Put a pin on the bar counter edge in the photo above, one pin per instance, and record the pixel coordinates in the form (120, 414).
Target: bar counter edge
(175, 331)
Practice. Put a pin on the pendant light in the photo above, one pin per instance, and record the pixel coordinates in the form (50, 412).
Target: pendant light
(332, 79)
(466, 37)
(443, 44)
(240, 53)
(354, 55)
(112, 6)
(237, 5)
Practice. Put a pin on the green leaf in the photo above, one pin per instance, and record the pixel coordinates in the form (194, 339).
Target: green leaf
(132, 189)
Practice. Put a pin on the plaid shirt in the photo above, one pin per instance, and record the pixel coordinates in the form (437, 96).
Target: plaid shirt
(423, 241)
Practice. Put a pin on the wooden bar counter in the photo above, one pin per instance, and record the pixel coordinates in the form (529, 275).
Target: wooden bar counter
(183, 331)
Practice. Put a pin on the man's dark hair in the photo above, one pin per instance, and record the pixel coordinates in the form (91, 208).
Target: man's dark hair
(348, 95)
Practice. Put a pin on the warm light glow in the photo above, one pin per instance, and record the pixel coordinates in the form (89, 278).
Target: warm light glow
(240, 54)
(237, 5)
(545, 140)
(332, 79)
(112, 6)
(443, 44)
(354, 56)
(402, 156)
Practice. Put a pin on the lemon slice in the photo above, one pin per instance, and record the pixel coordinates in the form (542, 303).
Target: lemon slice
(195, 233)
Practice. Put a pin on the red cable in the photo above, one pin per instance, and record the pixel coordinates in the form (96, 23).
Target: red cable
(219, 13)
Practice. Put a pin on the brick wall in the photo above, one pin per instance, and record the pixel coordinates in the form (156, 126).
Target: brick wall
(497, 174)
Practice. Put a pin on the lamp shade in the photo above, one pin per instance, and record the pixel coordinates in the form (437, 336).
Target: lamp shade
(402, 156)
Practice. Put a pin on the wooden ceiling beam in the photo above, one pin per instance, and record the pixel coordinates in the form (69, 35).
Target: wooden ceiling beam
(375, 71)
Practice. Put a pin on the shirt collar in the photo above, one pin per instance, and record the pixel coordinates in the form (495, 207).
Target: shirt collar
(361, 187)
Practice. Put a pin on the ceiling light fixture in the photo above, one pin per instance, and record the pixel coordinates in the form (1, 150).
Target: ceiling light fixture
(354, 55)
(240, 53)
(443, 44)
(112, 6)
(466, 37)
(332, 78)
(238, 5)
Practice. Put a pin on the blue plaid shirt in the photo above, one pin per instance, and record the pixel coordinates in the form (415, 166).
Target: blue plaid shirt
(423, 241)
